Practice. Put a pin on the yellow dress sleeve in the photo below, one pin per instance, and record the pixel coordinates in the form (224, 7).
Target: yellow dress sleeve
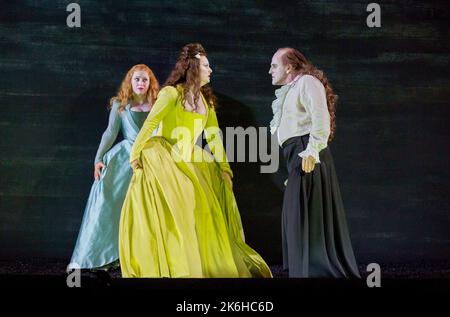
(212, 133)
(165, 102)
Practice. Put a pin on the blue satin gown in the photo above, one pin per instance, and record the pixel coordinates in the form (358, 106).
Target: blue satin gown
(97, 243)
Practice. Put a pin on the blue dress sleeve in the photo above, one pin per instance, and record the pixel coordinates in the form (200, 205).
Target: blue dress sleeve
(111, 132)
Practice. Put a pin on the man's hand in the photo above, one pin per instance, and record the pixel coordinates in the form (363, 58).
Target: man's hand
(308, 164)
(136, 164)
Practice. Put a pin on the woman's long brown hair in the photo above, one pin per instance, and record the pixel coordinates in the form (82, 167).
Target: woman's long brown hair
(187, 72)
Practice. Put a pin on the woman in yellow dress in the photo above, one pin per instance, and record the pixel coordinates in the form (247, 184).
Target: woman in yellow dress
(180, 217)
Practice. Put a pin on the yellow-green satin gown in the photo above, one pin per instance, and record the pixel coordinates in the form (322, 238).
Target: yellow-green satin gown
(179, 217)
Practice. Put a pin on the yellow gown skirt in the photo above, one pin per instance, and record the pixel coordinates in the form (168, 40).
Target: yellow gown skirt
(180, 219)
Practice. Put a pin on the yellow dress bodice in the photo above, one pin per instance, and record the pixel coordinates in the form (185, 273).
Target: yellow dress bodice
(181, 127)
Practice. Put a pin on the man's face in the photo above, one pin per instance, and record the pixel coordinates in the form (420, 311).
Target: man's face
(278, 70)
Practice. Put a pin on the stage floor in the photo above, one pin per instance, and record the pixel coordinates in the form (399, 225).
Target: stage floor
(45, 281)
(54, 267)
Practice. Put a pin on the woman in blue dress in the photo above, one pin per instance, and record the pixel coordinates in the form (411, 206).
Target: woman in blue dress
(97, 243)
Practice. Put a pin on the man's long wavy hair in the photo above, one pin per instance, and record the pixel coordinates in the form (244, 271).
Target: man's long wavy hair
(125, 92)
(302, 66)
(187, 72)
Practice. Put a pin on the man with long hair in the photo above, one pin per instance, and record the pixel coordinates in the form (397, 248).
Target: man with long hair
(315, 237)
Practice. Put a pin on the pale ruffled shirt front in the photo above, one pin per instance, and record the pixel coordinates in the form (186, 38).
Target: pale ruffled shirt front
(300, 109)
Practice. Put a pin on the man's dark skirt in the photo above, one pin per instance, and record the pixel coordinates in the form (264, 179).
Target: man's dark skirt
(316, 241)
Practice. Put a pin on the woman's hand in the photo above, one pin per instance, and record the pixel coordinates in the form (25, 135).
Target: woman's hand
(98, 170)
(308, 164)
(227, 179)
(136, 164)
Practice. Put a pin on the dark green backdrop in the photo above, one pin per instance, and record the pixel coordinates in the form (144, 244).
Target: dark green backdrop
(391, 150)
